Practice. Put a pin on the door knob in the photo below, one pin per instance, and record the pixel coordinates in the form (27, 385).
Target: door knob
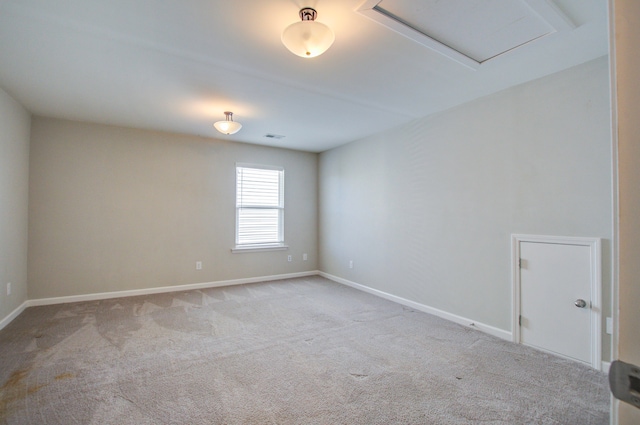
(580, 303)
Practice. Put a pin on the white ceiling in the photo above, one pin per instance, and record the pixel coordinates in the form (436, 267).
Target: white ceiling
(177, 65)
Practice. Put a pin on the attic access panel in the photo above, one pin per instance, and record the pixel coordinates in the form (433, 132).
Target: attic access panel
(469, 31)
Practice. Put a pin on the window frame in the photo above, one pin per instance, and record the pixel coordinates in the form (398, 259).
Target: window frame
(267, 246)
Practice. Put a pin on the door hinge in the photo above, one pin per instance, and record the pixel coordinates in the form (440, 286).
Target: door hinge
(520, 320)
(520, 262)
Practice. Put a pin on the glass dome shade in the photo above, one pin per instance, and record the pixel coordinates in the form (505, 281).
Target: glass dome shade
(307, 38)
(228, 126)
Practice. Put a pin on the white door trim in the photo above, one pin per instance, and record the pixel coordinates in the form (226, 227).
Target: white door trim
(596, 285)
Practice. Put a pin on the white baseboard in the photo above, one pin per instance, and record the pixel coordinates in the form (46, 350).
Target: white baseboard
(15, 313)
(491, 330)
(163, 289)
(500, 333)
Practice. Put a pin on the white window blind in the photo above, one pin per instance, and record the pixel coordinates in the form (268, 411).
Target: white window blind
(259, 206)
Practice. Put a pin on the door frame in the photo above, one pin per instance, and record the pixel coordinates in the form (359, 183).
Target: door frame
(594, 245)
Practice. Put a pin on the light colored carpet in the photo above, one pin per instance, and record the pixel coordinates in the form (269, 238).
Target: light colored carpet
(300, 351)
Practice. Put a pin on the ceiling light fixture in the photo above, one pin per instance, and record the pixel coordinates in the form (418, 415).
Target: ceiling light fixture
(228, 126)
(308, 38)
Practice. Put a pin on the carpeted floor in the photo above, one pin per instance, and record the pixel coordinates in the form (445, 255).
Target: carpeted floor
(299, 351)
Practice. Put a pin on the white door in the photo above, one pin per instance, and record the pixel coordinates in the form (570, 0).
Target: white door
(558, 298)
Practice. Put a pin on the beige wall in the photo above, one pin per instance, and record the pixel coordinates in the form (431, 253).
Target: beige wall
(14, 182)
(426, 210)
(627, 76)
(116, 209)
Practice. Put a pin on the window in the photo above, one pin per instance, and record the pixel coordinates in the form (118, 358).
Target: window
(259, 207)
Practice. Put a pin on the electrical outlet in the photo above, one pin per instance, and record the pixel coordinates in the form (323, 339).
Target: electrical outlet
(304, 257)
(9, 288)
(289, 258)
(350, 264)
(198, 265)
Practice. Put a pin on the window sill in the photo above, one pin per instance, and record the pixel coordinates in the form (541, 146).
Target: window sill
(243, 249)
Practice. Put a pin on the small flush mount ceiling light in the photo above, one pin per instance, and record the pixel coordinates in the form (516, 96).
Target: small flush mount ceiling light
(308, 38)
(228, 126)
